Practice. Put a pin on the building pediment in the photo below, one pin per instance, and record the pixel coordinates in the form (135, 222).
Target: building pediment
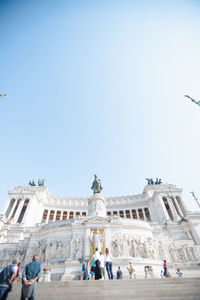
(97, 220)
(21, 189)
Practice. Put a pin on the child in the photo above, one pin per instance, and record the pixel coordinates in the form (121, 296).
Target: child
(161, 274)
(179, 273)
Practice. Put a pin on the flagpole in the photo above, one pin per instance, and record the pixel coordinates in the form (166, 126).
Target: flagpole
(196, 199)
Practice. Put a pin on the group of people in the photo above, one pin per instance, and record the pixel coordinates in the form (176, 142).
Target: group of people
(91, 269)
(95, 267)
(165, 273)
(131, 272)
(30, 276)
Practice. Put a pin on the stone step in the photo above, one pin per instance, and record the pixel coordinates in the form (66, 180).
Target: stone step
(173, 289)
(137, 283)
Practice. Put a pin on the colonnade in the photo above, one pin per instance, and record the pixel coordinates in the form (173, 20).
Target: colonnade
(16, 209)
(51, 215)
(174, 209)
(140, 213)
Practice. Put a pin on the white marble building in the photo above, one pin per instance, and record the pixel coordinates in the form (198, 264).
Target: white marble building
(144, 229)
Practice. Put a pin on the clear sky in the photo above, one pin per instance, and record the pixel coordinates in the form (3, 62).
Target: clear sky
(98, 87)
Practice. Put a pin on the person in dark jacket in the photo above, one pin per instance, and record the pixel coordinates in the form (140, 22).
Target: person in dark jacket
(30, 278)
(7, 276)
(97, 271)
(119, 274)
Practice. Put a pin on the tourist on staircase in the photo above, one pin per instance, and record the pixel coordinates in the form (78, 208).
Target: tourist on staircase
(96, 255)
(85, 274)
(102, 266)
(179, 273)
(165, 268)
(108, 261)
(119, 274)
(92, 270)
(131, 271)
(30, 277)
(97, 271)
(7, 276)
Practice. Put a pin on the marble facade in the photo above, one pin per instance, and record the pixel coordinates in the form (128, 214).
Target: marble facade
(63, 231)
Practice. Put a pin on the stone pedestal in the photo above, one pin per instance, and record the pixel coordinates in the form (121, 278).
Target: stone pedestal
(97, 206)
(72, 271)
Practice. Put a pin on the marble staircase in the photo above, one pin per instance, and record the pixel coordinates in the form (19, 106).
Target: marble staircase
(139, 289)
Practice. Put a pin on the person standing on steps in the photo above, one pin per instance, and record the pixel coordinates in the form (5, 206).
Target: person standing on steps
(96, 255)
(131, 270)
(30, 277)
(92, 270)
(119, 274)
(179, 273)
(7, 276)
(102, 266)
(165, 268)
(108, 261)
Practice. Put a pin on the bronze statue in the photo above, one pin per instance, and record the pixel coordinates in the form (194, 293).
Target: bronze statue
(151, 182)
(41, 182)
(96, 185)
(32, 182)
(158, 181)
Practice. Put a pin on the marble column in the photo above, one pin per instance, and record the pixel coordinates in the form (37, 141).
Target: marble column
(107, 238)
(11, 212)
(87, 244)
(137, 213)
(165, 212)
(47, 219)
(178, 208)
(21, 204)
(145, 218)
(26, 214)
(61, 215)
(54, 217)
(173, 210)
(182, 206)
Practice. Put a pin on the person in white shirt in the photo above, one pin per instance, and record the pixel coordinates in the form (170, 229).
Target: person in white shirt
(179, 273)
(131, 271)
(108, 261)
(96, 255)
(102, 265)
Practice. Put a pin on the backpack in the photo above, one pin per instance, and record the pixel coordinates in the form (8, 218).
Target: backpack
(83, 267)
(6, 274)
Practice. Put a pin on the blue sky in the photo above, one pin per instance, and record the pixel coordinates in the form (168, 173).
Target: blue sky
(98, 87)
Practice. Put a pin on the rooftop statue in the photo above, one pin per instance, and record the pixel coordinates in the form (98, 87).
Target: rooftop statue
(150, 181)
(158, 181)
(96, 185)
(41, 182)
(32, 182)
